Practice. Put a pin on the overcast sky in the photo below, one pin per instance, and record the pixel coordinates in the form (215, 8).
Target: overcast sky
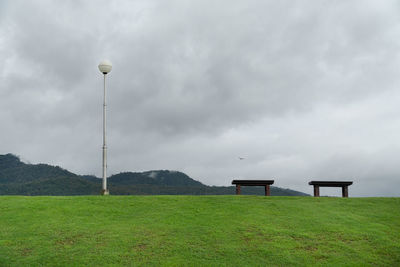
(303, 90)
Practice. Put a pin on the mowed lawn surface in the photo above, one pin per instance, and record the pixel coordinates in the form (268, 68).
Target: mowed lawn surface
(199, 231)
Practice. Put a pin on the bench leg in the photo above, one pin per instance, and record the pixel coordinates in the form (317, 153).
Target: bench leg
(316, 191)
(267, 190)
(345, 191)
(237, 189)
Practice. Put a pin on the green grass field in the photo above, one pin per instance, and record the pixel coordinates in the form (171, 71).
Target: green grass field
(199, 231)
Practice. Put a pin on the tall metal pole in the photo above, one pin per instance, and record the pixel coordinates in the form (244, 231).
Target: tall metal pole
(104, 191)
(105, 67)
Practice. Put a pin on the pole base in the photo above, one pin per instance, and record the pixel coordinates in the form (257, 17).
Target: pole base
(105, 192)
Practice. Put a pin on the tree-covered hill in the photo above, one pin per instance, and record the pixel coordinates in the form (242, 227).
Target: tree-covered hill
(19, 178)
(162, 177)
(12, 170)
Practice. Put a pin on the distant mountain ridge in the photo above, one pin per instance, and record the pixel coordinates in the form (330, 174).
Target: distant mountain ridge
(18, 178)
(160, 177)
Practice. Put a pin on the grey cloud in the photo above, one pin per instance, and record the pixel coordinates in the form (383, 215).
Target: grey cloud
(195, 84)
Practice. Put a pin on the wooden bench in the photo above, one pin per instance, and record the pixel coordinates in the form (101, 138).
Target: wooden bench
(265, 183)
(343, 184)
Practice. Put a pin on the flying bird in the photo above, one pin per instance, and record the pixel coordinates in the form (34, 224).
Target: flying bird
(240, 158)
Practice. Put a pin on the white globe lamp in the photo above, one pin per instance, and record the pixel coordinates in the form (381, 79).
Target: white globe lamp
(105, 66)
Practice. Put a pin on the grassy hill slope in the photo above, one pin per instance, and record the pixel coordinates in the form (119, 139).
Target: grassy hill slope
(199, 230)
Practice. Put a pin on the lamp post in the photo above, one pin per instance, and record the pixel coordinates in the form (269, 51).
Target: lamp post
(105, 67)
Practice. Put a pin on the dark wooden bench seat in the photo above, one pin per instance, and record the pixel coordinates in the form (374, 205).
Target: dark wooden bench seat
(265, 183)
(343, 184)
